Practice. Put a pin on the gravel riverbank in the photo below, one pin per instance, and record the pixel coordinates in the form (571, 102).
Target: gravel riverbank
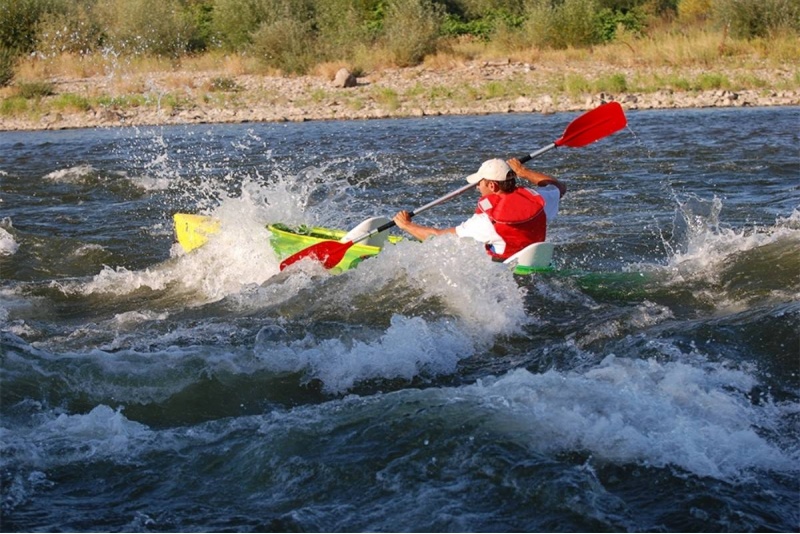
(477, 87)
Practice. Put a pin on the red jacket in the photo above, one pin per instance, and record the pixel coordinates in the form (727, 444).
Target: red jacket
(518, 217)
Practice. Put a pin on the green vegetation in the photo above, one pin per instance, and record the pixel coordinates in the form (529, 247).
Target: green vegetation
(642, 45)
(294, 36)
(29, 90)
(223, 84)
(387, 98)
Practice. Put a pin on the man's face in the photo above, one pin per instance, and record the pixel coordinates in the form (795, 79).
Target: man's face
(485, 187)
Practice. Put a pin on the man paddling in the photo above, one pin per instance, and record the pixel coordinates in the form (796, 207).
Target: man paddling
(586, 129)
(508, 217)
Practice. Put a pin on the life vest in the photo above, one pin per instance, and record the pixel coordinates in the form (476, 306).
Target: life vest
(518, 217)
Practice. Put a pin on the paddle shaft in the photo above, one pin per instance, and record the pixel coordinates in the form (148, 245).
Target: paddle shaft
(532, 155)
(417, 211)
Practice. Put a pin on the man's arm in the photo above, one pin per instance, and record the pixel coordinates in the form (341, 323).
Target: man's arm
(403, 221)
(535, 177)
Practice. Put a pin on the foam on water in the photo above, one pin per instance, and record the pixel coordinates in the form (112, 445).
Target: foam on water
(698, 419)
(70, 175)
(408, 348)
(235, 258)
(56, 440)
(150, 183)
(8, 245)
(481, 293)
(724, 265)
(463, 304)
(709, 243)
(88, 174)
(642, 412)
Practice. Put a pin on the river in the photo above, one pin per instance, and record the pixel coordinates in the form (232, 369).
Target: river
(650, 383)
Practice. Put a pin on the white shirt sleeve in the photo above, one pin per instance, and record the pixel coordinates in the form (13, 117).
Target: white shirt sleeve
(552, 197)
(480, 228)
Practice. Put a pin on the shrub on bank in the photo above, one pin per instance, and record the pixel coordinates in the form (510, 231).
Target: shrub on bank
(748, 18)
(7, 62)
(285, 44)
(571, 23)
(140, 27)
(411, 30)
(75, 28)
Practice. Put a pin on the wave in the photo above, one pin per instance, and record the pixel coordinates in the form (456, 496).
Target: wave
(724, 266)
(696, 421)
(88, 175)
(8, 245)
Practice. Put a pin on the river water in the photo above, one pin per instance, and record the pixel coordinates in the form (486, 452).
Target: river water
(650, 383)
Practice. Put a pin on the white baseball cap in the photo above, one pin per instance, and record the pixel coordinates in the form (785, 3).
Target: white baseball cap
(493, 169)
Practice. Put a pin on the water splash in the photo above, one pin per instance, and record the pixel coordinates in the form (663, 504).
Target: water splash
(724, 265)
(8, 245)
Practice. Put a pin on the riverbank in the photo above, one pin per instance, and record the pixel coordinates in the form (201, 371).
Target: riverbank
(476, 87)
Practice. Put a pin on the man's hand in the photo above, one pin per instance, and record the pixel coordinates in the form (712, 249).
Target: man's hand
(535, 177)
(402, 220)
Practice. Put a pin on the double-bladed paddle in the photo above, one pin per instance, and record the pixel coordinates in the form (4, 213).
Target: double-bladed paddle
(588, 128)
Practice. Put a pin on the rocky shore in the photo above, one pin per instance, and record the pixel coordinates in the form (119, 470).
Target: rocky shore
(192, 97)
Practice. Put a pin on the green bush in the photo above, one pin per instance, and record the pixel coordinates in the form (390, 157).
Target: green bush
(493, 23)
(694, 10)
(757, 18)
(14, 105)
(708, 81)
(234, 21)
(570, 23)
(74, 29)
(200, 17)
(575, 85)
(674, 82)
(411, 30)
(122, 101)
(388, 98)
(615, 83)
(71, 101)
(8, 61)
(471, 10)
(285, 44)
(453, 25)
(143, 27)
(223, 84)
(31, 90)
(608, 21)
(344, 25)
(18, 21)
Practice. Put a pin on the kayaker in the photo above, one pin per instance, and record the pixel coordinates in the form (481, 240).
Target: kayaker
(508, 217)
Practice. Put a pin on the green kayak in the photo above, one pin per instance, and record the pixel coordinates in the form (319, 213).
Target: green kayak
(193, 231)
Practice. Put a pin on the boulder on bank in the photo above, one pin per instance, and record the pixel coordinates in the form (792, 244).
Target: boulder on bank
(344, 78)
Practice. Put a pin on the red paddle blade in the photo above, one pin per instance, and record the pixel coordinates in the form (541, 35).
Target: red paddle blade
(329, 253)
(594, 125)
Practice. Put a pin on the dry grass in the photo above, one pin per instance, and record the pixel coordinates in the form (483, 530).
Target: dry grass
(328, 70)
(690, 48)
(685, 49)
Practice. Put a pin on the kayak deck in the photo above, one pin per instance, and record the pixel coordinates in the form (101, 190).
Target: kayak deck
(287, 241)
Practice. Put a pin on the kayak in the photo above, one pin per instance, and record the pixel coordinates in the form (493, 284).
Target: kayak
(193, 231)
